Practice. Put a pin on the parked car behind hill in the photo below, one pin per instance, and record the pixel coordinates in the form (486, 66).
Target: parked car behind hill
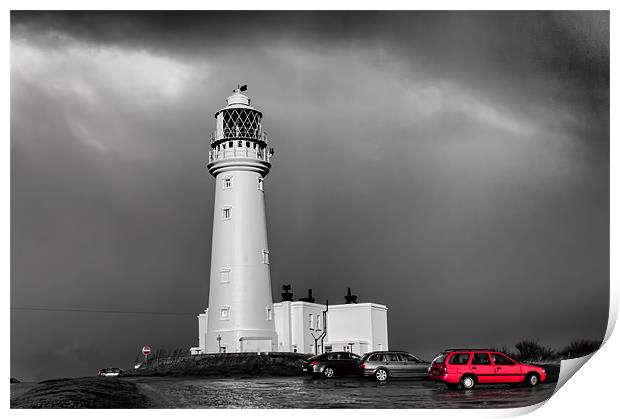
(109, 372)
(470, 367)
(332, 364)
(382, 365)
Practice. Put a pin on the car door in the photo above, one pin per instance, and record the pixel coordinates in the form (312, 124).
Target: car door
(394, 364)
(333, 361)
(350, 363)
(483, 368)
(412, 366)
(506, 370)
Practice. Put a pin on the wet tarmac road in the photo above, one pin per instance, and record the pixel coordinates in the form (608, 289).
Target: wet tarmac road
(348, 393)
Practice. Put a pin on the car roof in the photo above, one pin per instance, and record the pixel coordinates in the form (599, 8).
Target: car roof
(469, 349)
(387, 352)
(331, 353)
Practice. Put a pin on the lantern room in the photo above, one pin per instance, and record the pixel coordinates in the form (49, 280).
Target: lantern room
(238, 131)
(238, 120)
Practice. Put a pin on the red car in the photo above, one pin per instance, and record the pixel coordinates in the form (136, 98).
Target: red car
(470, 367)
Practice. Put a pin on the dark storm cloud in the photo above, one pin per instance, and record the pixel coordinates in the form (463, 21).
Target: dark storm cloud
(441, 163)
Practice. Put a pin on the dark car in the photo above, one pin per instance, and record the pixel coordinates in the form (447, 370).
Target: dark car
(332, 364)
(382, 365)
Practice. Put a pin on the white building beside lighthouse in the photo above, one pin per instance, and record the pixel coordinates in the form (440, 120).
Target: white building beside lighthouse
(309, 327)
(241, 316)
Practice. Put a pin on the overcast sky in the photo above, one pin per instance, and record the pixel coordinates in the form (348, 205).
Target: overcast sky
(453, 166)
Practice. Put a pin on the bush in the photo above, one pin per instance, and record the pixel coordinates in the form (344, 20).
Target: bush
(533, 351)
(579, 348)
(504, 350)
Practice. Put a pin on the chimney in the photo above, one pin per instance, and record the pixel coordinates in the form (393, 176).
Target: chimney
(287, 295)
(309, 298)
(350, 299)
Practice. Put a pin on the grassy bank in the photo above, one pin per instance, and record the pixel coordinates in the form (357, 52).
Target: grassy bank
(81, 393)
(224, 365)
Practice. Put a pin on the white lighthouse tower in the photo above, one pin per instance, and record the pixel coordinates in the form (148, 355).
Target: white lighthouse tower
(240, 313)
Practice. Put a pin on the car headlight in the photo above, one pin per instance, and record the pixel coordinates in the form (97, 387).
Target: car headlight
(544, 372)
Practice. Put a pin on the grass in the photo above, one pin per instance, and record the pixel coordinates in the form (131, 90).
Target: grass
(81, 393)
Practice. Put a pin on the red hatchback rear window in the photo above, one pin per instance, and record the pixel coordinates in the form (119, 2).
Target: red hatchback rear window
(440, 359)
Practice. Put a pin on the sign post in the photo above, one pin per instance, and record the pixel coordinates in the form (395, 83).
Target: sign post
(146, 350)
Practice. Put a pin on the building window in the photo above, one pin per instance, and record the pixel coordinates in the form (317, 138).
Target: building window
(224, 313)
(239, 144)
(225, 275)
(318, 322)
(266, 257)
(226, 213)
(269, 313)
(247, 144)
(227, 183)
(260, 184)
(311, 321)
(230, 144)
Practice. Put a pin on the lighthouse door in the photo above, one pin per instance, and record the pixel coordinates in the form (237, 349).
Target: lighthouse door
(255, 345)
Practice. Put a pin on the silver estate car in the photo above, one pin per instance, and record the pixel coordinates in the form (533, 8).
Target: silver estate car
(393, 364)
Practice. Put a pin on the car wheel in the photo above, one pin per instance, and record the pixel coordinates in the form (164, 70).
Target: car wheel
(381, 375)
(328, 372)
(468, 382)
(532, 379)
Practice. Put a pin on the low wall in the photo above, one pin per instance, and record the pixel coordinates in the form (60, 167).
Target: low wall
(224, 365)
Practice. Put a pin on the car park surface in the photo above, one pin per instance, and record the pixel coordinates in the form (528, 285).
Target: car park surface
(317, 393)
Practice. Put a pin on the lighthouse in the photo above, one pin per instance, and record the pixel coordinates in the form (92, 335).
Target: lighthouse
(240, 313)
(242, 316)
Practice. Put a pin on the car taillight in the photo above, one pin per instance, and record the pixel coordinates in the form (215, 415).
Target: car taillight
(363, 365)
(444, 370)
(313, 363)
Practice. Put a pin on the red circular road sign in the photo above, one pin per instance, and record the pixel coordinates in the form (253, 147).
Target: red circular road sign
(146, 350)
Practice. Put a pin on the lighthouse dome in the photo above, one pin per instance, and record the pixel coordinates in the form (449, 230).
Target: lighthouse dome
(238, 99)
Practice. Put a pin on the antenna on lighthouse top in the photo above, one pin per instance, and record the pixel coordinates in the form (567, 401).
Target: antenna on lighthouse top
(240, 88)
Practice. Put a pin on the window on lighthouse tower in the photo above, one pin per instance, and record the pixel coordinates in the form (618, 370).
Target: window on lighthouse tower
(226, 213)
(224, 313)
(260, 184)
(227, 183)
